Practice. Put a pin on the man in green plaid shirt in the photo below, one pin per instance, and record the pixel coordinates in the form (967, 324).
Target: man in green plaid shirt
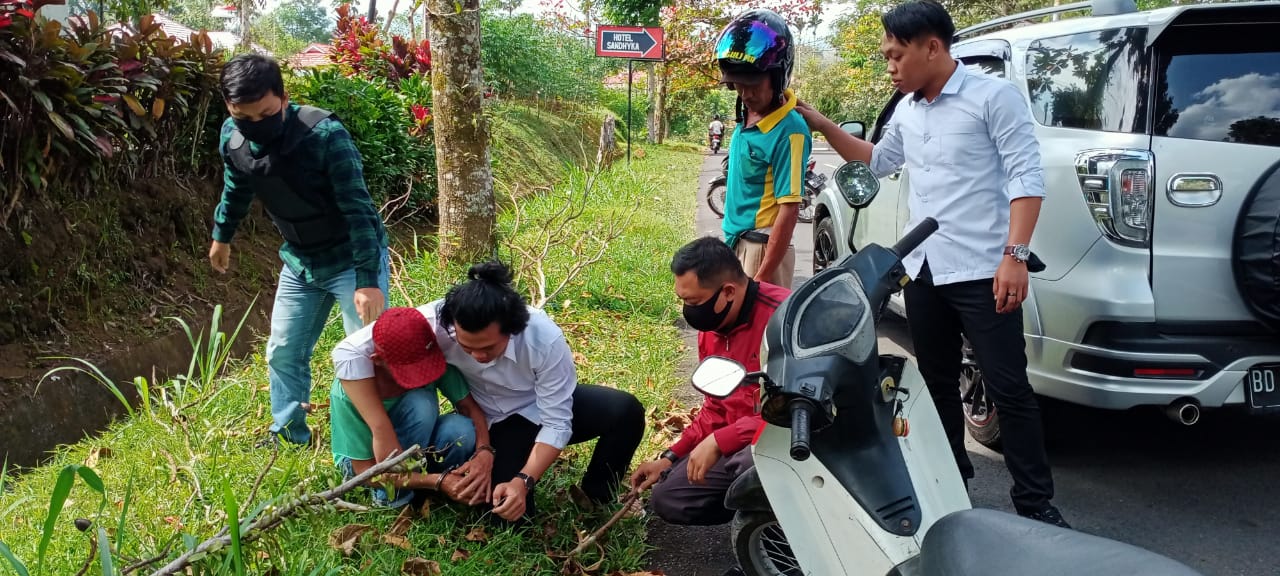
(301, 163)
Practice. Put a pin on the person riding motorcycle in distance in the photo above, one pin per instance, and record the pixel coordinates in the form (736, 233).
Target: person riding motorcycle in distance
(716, 129)
(770, 147)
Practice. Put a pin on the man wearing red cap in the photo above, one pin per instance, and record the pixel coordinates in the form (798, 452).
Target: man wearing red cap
(375, 417)
(521, 373)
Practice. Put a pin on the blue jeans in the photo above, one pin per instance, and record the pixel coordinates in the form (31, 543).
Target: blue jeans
(448, 440)
(297, 320)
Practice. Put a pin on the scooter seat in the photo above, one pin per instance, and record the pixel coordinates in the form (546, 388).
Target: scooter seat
(991, 543)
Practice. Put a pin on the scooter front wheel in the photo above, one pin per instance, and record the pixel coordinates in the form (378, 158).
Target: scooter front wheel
(761, 547)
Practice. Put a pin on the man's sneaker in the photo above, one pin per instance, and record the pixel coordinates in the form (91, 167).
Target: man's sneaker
(1049, 515)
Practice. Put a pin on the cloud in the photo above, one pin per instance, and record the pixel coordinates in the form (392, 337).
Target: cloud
(1227, 101)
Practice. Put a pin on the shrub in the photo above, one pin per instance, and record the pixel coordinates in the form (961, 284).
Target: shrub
(99, 106)
(396, 147)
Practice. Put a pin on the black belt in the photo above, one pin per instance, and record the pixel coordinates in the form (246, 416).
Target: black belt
(754, 237)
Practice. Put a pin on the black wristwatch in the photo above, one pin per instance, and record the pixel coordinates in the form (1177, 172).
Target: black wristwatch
(669, 455)
(529, 481)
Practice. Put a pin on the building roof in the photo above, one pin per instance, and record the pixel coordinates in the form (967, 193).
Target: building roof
(175, 29)
(313, 55)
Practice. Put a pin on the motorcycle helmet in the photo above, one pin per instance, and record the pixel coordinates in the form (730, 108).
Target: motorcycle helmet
(756, 43)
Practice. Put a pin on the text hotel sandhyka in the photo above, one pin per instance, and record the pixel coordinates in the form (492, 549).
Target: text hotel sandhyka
(622, 43)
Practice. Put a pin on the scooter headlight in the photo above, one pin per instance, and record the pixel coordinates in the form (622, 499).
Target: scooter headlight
(835, 318)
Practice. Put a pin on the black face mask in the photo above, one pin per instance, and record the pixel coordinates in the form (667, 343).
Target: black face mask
(262, 131)
(703, 317)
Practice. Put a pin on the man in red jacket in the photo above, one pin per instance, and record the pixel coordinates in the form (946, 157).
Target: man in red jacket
(729, 310)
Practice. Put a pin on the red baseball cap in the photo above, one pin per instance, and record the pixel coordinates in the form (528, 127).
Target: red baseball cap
(406, 343)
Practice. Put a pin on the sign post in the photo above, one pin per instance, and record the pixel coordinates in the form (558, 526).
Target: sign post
(633, 43)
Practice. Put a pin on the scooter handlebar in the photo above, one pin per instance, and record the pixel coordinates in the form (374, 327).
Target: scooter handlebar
(912, 240)
(801, 410)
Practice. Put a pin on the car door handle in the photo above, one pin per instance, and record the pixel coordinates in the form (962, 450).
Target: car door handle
(1194, 190)
(896, 175)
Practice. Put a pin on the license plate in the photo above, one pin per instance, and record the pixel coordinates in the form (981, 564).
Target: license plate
(1260, 386)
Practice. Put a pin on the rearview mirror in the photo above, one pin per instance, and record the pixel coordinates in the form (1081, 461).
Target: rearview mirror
(718, 376)
(854, 128)
(857, 184)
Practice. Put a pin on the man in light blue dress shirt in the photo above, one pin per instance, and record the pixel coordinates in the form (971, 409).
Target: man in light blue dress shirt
(968, 143)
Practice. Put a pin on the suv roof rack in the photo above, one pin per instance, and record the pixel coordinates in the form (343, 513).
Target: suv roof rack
(1096, 7)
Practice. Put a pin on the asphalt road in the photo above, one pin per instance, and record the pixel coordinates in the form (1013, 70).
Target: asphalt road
(1207, 495)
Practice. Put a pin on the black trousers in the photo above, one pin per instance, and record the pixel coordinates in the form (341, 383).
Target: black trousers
(678, 501)
(937, 316)
(612, 416)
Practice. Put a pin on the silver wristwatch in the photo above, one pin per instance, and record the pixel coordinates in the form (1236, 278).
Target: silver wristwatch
(1020, 252)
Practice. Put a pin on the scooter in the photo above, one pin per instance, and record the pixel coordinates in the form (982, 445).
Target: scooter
(715, 143)
(853, 472)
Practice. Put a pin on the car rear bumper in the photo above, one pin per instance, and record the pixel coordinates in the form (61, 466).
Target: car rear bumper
(1108, 378)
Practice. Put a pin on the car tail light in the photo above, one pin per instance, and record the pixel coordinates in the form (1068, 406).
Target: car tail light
(1115, 187)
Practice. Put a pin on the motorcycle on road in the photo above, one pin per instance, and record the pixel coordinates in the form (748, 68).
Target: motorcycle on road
(813, 183)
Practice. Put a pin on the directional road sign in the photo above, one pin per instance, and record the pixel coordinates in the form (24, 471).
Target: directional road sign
(630, 42)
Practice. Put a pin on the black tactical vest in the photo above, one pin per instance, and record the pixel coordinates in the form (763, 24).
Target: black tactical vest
(299, 198)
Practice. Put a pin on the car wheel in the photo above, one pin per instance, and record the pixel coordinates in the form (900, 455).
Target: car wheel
(980, 416)
(824, 244)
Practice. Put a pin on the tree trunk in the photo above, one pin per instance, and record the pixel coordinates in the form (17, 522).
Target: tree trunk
(654, 113)
(664, 82)
(246, 17)
(462, 134)
(373, 12)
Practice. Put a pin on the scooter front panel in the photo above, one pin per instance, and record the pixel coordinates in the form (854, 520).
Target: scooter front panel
(845, 539)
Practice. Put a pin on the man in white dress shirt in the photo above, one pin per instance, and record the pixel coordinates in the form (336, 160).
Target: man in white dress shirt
(968, 142)
(522, 375)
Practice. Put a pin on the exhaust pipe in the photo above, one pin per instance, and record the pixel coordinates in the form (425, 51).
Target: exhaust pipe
(1183, 411)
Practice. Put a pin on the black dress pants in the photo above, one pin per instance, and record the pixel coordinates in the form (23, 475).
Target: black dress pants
(614, 417)
(937, 316)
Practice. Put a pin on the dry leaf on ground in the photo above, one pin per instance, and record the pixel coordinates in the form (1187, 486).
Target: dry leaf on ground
(420, 567)
(403, 522)
(477, 534)
(398, 541)
(344, 539)
(97, 453)
(459, 554)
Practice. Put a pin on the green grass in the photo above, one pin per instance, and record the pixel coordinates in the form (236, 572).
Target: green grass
(164, 475)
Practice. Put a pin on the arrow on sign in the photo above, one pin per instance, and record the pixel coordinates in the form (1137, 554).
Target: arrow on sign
(629, 42)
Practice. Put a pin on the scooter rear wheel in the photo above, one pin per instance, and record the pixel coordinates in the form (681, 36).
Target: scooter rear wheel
(761, 547)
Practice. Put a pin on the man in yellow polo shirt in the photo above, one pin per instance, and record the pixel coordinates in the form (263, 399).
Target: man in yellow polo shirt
(770, 146)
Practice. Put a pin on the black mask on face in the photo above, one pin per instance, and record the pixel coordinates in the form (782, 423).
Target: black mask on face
(703, 317)
(262, 131)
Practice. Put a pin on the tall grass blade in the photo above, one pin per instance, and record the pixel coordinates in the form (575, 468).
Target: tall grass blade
(60, 492)
(104, 553)
(233, 523)
(124, 513)
(94, 373)
(17, 565)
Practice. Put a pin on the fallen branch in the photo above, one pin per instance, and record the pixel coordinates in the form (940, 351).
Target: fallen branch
(590, 540)
(269, 521)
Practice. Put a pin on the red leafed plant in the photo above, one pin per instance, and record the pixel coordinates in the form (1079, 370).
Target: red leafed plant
(421, 120)
(360, 50)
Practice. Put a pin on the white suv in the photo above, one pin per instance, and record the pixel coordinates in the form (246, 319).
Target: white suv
(1160, 138)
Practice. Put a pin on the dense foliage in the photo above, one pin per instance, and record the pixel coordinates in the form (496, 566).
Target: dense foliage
(95, 106)
(524, 59)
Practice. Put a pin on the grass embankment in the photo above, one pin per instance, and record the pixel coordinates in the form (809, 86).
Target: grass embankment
(164, 471)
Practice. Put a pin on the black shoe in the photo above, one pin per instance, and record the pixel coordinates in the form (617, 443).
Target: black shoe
(271, 442)
(1049, 515)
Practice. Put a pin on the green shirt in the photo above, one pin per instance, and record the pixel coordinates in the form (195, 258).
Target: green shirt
(766, 169)
(352, 437)
(329, 146)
